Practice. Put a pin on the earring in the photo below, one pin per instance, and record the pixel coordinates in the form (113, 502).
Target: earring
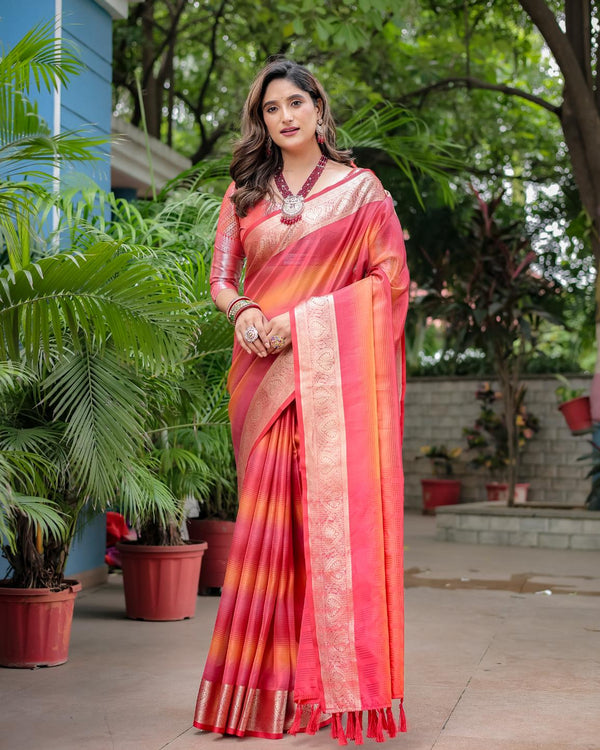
(320, 134)
(269, 146)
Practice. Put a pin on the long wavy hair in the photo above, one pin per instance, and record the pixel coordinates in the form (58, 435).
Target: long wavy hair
(253, 165)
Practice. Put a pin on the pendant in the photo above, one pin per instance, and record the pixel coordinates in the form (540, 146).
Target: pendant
(291, 209)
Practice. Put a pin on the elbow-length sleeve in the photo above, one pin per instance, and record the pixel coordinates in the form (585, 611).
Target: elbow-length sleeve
(228, 255)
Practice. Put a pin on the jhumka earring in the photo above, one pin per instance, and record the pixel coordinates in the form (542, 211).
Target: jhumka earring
(320, 134)
(269, 146)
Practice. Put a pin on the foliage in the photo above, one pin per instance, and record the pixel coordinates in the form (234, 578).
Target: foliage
(565, 391)
(441, 458)
(489, 435)
(492, 299)
(80, 331)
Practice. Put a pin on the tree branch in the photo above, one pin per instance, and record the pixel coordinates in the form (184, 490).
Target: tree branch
(213, 61)
(476, 83)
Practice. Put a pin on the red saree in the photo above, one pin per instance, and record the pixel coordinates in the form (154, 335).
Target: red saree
(310, 625)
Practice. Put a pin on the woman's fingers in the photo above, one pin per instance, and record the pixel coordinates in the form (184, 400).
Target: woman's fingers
(251, 333)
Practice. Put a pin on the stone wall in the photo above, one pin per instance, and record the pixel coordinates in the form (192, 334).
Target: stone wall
(437, 409)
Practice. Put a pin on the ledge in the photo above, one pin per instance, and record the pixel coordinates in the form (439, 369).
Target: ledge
(519, 526)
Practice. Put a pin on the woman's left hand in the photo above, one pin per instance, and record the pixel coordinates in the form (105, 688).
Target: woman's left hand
(279, 332)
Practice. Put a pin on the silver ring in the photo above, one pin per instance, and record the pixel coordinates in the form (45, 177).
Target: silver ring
(251, 334)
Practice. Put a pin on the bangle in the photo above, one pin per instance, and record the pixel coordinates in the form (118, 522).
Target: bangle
(230, 313)
(248, 306)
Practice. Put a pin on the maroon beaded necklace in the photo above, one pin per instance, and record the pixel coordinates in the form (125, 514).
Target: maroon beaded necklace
(293, 205)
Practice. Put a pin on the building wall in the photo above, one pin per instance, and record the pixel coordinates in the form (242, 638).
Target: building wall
(437, 409)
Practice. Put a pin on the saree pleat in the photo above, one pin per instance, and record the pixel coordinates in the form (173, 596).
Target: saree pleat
(249, 677)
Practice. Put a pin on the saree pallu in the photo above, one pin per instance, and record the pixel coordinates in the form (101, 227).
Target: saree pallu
(310, 626)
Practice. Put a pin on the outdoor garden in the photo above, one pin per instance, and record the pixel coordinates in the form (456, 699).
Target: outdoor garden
(483, 122)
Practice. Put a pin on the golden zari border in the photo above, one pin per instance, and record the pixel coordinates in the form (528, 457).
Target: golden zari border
(237, 709)
(274, 390)
(327, 501)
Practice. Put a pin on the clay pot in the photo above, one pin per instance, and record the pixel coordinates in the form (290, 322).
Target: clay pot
(219, 536)
(161, 583)
(578, 415)
(438, 492)
(35, 625)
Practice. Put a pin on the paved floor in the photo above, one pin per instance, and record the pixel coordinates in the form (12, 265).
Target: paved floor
(503, 653)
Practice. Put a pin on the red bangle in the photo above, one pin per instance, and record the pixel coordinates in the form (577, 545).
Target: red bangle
(243, 309)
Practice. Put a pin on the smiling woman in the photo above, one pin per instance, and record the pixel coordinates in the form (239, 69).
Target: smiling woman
(310, 626)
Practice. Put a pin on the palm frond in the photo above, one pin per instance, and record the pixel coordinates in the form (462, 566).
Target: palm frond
(144, 497)
(102, 405)
(40, 511)
(405, 139)
(100, 295)
(38, 60)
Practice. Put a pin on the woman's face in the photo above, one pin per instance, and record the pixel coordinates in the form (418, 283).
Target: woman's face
(290, 115)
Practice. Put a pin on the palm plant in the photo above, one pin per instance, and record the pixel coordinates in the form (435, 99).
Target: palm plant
(79, 331)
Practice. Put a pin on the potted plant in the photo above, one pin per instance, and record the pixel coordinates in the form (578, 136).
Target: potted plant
(79, 331)
(440, 490)
(492, 301)
(215, 521)
(488, 437)
(575, 407)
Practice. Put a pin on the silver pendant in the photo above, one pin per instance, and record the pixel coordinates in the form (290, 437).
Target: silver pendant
(292, 206)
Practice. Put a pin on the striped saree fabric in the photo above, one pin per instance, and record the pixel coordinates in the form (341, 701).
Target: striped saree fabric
(310, 627)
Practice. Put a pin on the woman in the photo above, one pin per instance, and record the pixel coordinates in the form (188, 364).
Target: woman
(310, 625)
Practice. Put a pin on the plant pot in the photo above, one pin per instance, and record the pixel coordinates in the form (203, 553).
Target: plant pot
(35, 625)
(578, 415)
(161, 583)
(438, 492)
(498, 492)
(219, 536)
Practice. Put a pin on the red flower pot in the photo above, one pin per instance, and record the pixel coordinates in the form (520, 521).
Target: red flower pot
(578, 415)
(35, 625)
(161, 583)
(498, 492)
(219, 536)
(439, 492)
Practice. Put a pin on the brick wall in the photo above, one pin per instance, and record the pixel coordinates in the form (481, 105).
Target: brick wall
(437, 409)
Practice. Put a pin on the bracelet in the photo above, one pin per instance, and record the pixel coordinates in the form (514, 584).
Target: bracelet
(237, 303)
(247, 306)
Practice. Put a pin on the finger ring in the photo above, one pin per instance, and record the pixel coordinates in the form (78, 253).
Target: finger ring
(251, 334)
(277, 342)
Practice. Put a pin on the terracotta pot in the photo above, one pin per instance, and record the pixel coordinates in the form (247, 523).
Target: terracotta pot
(438, 492)
(35, 625)
(219, 536)
(498, 492)
(578, 415)
(161, 583)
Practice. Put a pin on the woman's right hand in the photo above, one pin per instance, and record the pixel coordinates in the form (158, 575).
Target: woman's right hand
(246, 319)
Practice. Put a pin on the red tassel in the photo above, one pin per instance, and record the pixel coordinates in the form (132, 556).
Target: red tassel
(402, 716)
(334, 727)
(350, 725)
(372, 725)
(391, 724)
(341, 737)
(358, 735)
(313, 724)
(379, 736)
(296, 723)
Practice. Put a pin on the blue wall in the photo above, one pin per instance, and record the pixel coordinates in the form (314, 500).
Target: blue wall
(85, 104)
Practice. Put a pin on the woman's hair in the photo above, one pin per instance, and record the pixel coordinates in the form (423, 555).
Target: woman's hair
(252, 165)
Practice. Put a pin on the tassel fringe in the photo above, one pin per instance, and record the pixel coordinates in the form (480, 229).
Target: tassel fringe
(295, 728)
(313, 724)
(402, 716)
(380, 721)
